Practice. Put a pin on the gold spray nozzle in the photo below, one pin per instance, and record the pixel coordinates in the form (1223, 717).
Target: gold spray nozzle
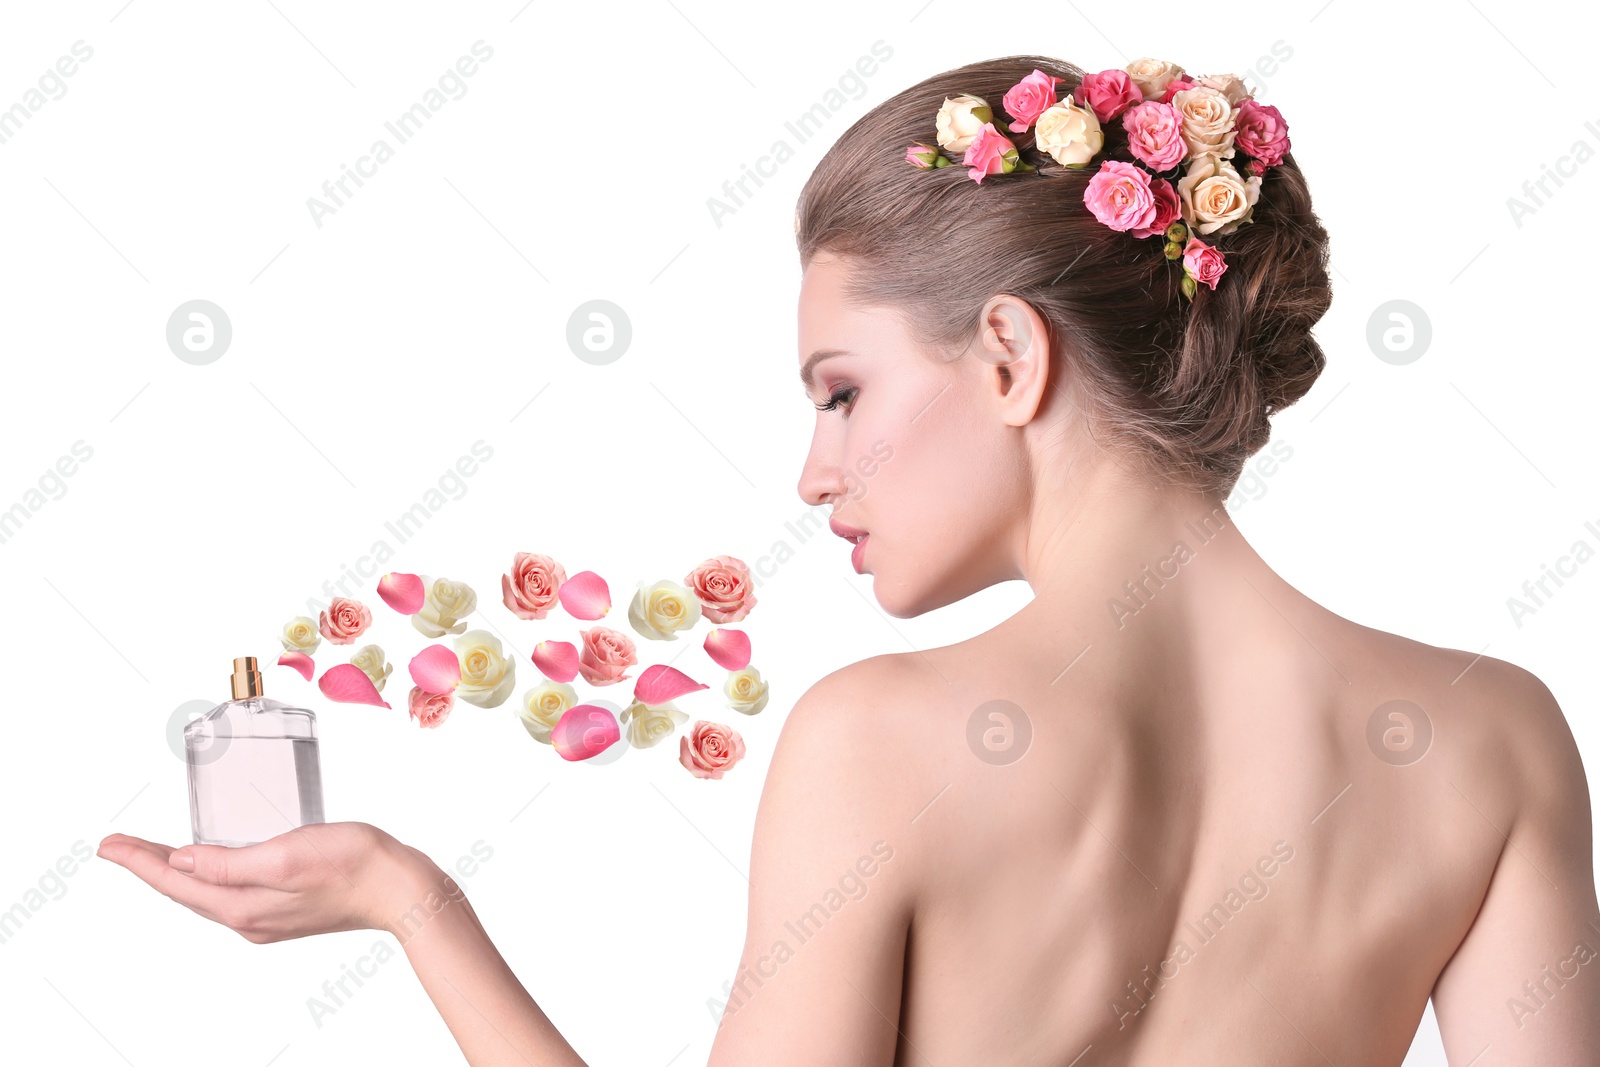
(246, 679)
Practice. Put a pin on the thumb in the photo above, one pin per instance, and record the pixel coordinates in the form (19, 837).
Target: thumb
(217, 864)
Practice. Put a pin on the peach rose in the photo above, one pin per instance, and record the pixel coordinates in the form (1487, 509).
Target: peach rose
(724, 588)
(1207, 121)
(531, 586)
(709, 749)
(1229, 85)
(344, 620)
(430, 709)
(1152, 75)
(605, 656)
(959, 120)
(1214, 198)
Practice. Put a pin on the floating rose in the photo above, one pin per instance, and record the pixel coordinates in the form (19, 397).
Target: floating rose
(648, 723)
(709, 749)
(371, 660)
(445, 604)
(543, 706)
(745, 690)
(724, 588)
(402, 592)
(584, 731)
(606, 655)
(436, 670)
(556, 660)
(430, 709)
(486, 674)
(299, 661)
(729, 649)
(300, 635)
(531, 587)
(585, 596)
(344, 620)
(659, 611)
(659, 683)
(349, 684)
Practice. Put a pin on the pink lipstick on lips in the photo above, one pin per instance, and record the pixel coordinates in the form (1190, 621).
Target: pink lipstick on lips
(851, 533)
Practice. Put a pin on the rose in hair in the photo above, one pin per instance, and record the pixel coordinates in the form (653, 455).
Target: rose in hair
(1174, 87)
(1262, 133)
(1215, 199)
(1108, 93)
(1153, 75)
(1168, 209)
(709, 749)
(1155, 135)
(1119, 195)
(990, 153)
(959, 120)
(530, 588)
(1229, 85)
(1027, 99)
(1069, 134)
(344, 620)
(1202, 262)
(1207, 121)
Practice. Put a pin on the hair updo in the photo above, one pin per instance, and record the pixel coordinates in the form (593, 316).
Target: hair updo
(1185, 387)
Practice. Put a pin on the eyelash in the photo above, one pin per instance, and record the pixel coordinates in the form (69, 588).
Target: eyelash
(836, 399)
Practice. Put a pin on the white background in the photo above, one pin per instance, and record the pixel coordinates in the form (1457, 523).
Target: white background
(430, 312)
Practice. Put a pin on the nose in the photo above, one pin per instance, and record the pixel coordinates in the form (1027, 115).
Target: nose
(820, 477)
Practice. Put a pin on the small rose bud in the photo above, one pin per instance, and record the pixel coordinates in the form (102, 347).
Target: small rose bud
(922, 155)
(1173, 249)
(1188, 285)
(1177, 232)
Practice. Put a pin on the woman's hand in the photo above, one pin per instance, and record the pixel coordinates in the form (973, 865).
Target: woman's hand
(310, 880)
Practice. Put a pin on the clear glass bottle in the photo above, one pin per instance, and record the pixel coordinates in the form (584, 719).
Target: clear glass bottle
(254, 770)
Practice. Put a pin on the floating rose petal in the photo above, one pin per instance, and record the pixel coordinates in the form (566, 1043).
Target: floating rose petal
(349, 684)
(730, 649)
(436, 669)
(556, 660)
(585, 595)
(299, 661)
(402, 592)
(659, 683)
(583, 731)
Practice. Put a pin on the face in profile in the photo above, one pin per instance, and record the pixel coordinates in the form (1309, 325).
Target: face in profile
(907, 446)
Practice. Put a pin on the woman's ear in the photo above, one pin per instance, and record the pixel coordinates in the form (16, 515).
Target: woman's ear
(1015, 344)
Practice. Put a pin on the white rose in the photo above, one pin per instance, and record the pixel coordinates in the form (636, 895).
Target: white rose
(543, 706)
(1069, 133)
(372, 663)
(1207, 121)
(745, 690)
(659, 611)
(446, 604)
(960, 119)
(1213, 198)
(1229, 85)
(300, 634)
(1152, 76)
(649, 723)
(486, 674)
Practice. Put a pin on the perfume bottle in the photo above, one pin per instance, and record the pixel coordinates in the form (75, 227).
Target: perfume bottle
(254, 771)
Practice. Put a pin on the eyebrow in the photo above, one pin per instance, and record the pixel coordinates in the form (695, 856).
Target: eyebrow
(817, 357)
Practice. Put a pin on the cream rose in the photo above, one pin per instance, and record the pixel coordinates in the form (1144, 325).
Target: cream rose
(543, 705)
(445, 604)
(1213, 198)
(745, 690)
(486, 674)
(371, 660)
(1229, 85)
(647, 724)
(1069, 133)
(959, 120)
(1207, 121)
(659, 611)
(300, 634)
(1152, 76)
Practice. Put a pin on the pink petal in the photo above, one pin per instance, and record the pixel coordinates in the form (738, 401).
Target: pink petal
(729, 648)
(436, 669)
(299, 661)
(585, 595)
(659, 683)
(556, 660)
(349, 684)
(402, 592)
(583, 731)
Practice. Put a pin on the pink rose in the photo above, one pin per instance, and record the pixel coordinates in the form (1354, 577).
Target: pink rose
(921, 155)
(606, 655)
(1108, 93)
(1119, 195)
(344, 620)
(987, 154)
(1175, 86)
(1168, 208)
(723, 586)
(1155, 135)
(1203, 262)
(531, 586)
(709, 748)
(1025, 100)
(430, 709)
(1261, 132)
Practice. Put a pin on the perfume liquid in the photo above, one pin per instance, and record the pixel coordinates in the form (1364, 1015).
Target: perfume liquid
(254, 770)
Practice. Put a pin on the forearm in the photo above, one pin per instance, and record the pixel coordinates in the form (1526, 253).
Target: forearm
(491, 1015)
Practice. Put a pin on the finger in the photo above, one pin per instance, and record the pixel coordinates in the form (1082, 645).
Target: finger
(119, 850)
(265, 864)
(152, 868)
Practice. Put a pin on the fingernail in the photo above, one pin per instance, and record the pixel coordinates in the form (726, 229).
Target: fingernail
(182, 860)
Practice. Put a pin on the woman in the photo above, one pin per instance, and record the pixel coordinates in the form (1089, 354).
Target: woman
(1173, 811)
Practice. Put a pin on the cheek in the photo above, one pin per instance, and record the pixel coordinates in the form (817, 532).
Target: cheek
(930, 465)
